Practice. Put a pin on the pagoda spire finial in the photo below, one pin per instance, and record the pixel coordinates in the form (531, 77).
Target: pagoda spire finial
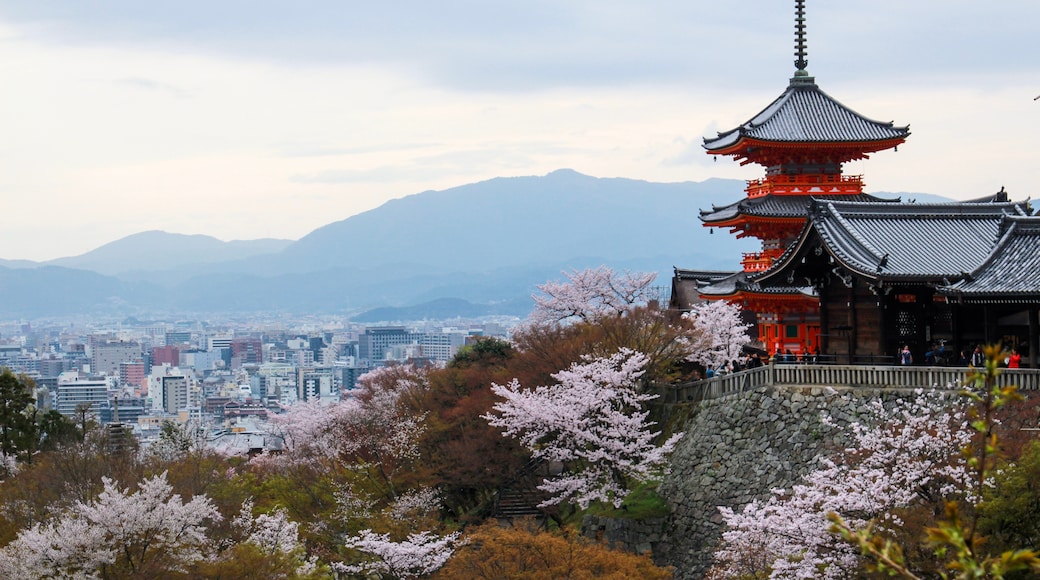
(799, 40)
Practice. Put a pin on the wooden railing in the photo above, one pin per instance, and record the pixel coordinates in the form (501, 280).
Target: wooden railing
(808, 375)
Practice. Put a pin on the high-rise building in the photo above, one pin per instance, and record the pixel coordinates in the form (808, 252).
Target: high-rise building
(178, 337)
(174, 392)
(77, 393)
(374, 343)
(106, 357)
(246, 350)
(317, 384)
(166, 355)
(220, 341)
(443, 345)
(131, 374)
(171, 389)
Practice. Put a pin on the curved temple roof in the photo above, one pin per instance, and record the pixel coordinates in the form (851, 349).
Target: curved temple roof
(1013, 269)
(804, 114)
(901, 242)
(690, 285)
(776, 206)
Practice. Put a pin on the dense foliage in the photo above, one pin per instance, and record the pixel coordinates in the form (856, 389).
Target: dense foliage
(389, 482)
(398, 479)
(914, 495)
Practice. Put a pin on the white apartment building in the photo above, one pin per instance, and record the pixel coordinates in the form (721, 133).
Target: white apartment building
(76, 392)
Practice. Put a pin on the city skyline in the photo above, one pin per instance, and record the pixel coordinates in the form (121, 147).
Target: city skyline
(245, 120)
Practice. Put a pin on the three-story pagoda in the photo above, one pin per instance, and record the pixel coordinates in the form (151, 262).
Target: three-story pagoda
(802, 139)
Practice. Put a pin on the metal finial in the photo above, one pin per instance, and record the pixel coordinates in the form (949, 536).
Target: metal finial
(799, 38)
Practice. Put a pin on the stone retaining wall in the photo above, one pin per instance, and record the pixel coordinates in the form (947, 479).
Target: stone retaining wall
(630, 535)
(737, 449)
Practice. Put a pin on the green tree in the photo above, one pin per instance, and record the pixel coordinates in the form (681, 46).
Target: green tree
(18, 428)
(1010, 515)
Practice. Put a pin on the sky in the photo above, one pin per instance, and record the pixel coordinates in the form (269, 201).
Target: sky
(246, 119)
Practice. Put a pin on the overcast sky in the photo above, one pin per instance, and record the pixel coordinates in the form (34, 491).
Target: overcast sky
(259, 118)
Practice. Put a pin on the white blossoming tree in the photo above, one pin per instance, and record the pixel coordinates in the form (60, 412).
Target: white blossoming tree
(372, 433)
(898, 458)
(720, 334)
(121, 533)
(419, 554)
(590, 294)
(592, 421)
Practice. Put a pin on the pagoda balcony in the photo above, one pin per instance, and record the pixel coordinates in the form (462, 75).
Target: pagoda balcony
(757, 261)
(806, 184)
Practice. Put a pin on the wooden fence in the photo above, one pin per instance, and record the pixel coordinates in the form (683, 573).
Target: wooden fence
(809, 375)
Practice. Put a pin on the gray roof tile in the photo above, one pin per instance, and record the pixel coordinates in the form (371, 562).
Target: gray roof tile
(777, 206)
(1012, 269)
(805, 114)
(903, 241)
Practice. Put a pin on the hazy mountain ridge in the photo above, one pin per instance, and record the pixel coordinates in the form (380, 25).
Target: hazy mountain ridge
(157, 251)
(483, 243)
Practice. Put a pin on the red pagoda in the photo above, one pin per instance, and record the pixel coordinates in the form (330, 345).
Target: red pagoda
(801, 139)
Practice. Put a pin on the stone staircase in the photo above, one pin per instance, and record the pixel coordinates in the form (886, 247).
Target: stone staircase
(514, 503)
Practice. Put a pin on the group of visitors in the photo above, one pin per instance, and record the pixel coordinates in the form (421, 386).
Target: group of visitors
(807, 356)
(938, 355)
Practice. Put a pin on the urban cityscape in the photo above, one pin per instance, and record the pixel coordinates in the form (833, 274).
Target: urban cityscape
(837, 383)
(226, 377)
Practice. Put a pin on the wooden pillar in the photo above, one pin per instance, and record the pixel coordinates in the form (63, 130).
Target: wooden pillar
(882, 303)
(955, 328)
(824, 346)
(1034, 330)
(854, 328)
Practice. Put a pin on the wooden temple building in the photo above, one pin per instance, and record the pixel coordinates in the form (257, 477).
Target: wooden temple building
(847, 275)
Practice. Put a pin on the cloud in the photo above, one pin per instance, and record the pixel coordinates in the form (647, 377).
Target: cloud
(253, 118)
(539, 44)
(152, 85)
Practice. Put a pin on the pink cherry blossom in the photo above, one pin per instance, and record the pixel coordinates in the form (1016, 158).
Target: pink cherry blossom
(590, 294)
(720, 333)
(591, 421)
(899, 457)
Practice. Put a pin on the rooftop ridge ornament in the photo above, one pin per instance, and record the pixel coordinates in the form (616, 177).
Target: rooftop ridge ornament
(799, 40)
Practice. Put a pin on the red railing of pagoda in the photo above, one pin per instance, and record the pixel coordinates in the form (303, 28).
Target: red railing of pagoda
(805, 185)
(756, 262)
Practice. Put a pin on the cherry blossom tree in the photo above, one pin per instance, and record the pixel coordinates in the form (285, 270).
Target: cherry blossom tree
(900, 457)
(720, 334)
(274, 538)
(372, 433)
(139, 533)
(177, 440)
(419, 554)
(396, 550)
(590, 294)
(592, 420)
(8, 465)
(272, 532)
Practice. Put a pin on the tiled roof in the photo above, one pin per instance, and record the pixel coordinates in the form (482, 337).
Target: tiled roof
(776, 206)
(1013, 268)
(907, 241)
(805, 114)
(695, 283)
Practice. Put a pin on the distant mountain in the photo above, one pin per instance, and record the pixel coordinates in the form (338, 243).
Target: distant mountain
(524, 221)
(476, 248)
(52, 291)
(156, 251)
(443, 309)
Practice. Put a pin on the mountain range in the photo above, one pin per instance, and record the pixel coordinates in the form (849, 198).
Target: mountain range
(477, 249)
